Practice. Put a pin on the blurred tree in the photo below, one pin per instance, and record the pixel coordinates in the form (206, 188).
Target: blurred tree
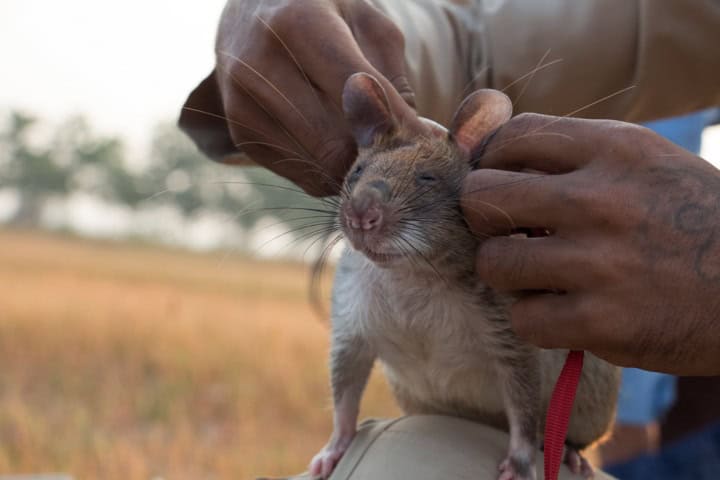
(177, 173)
(73, 159)
(29, 169)
(180, 175)
(96, 163)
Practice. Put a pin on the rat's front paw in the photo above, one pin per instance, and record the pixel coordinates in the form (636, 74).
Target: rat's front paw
(324, 462)
(517, 467)
(577, 463)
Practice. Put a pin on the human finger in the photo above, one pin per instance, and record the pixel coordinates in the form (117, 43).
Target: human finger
(267, 142)
(552, 320)
(383, 44)
(543, 143)
(498, 202)
(540, 263)
(330, 54)
(291, 101)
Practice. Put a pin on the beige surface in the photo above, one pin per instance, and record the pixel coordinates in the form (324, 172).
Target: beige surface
(428, 448)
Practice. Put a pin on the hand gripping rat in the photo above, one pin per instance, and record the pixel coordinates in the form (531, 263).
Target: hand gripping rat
(405, 293)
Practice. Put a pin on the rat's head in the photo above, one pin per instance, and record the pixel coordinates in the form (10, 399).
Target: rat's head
(401, 198)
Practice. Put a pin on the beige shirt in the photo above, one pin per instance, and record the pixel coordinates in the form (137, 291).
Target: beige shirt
(658, 58)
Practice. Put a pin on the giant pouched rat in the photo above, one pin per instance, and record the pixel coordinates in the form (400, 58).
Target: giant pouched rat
(406, 293)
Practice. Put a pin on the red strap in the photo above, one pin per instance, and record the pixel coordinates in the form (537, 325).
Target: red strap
(558, 414)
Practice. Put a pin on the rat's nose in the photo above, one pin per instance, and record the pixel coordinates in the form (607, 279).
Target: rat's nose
(370, 219)
(365, 210)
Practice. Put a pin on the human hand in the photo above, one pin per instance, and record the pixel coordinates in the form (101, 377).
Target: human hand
(281, 67)
(630, 269)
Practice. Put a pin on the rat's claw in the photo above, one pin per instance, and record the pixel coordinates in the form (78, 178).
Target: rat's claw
(577, 463)
(324, 462)
(516, 469)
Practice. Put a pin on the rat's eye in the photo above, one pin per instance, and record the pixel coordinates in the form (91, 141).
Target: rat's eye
(427, 178)
(355, 174)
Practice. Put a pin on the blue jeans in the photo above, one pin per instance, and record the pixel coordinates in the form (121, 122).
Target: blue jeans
(695, 457)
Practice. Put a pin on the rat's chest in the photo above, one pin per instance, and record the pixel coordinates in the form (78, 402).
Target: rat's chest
(434, 325)
(438, 346)
(425, 318)
(437, 340)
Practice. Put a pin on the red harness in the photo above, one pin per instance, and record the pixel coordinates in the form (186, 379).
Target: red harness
(558, 414)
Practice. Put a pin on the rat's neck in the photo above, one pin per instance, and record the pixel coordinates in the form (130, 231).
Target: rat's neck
(455, 266)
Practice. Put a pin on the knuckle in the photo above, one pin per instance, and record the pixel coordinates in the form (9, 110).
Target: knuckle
(527, 120)
(390, 32)
(627, 133)
(632, 143)
(594, 202)
(527, 117)
(519, 125)
(291, 17)
(605, 268)
(380, 29)
(284, 17)
(370, 19)
(627, 130)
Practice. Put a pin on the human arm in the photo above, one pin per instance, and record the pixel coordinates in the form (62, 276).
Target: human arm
(631, 268)
(275, 93)
(664, 49)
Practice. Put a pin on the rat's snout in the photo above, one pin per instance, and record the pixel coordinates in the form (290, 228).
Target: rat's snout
(365, 209)
(364, 212)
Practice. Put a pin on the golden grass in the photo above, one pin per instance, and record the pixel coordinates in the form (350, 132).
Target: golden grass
(132, 362)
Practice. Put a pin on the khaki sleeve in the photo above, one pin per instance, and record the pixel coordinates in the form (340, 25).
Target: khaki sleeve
(653, 58)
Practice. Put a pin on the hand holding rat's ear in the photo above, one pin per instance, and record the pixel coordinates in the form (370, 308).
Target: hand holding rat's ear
(631, 269)
(281, 70)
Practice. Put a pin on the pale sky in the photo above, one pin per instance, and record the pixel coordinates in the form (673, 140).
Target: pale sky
(127, 64)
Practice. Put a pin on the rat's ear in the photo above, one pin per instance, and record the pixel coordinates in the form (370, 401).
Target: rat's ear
(203, 120)
(478, 115)
(367, 109)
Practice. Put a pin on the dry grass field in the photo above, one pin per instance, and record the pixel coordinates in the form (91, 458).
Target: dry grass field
(133, 362)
